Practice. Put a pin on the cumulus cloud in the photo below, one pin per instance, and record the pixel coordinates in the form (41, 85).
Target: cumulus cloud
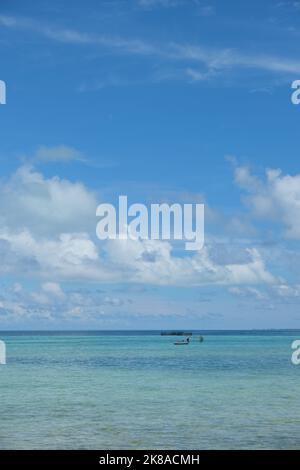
(68, 256)
(77, 257)
(46, 206)
(47, 228)
(275, 197)
(152, 262)
(47, 235)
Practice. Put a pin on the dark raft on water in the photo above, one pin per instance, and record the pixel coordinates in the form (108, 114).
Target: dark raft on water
(176, 333)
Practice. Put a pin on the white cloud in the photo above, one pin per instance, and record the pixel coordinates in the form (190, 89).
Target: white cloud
(45, 248)
(45, 205)
(67, 256)
(59, 153)
(77, 257)
(214, 59)
(51, 302)
(220, 59)
(275, 294)
(70, 36)
(54, 289)
(152, 262)
(47, 230)
(275, 197)
(287, 291)
(248, 292)
(40, 298)
(199, 75)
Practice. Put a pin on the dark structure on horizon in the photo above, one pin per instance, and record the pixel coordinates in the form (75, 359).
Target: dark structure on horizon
(176, 333)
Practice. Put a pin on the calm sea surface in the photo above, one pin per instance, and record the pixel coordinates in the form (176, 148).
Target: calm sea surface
(136, 390)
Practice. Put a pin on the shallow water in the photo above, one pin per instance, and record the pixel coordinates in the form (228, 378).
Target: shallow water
(133, 390)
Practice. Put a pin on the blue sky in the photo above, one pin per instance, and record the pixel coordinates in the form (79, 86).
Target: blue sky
(162, 100)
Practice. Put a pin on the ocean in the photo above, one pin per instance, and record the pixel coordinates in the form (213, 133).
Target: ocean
(137, 390)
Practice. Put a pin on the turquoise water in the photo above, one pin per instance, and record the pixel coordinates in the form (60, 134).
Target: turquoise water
(131, 391)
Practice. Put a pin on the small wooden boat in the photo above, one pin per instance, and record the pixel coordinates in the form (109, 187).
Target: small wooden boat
(181, 343)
